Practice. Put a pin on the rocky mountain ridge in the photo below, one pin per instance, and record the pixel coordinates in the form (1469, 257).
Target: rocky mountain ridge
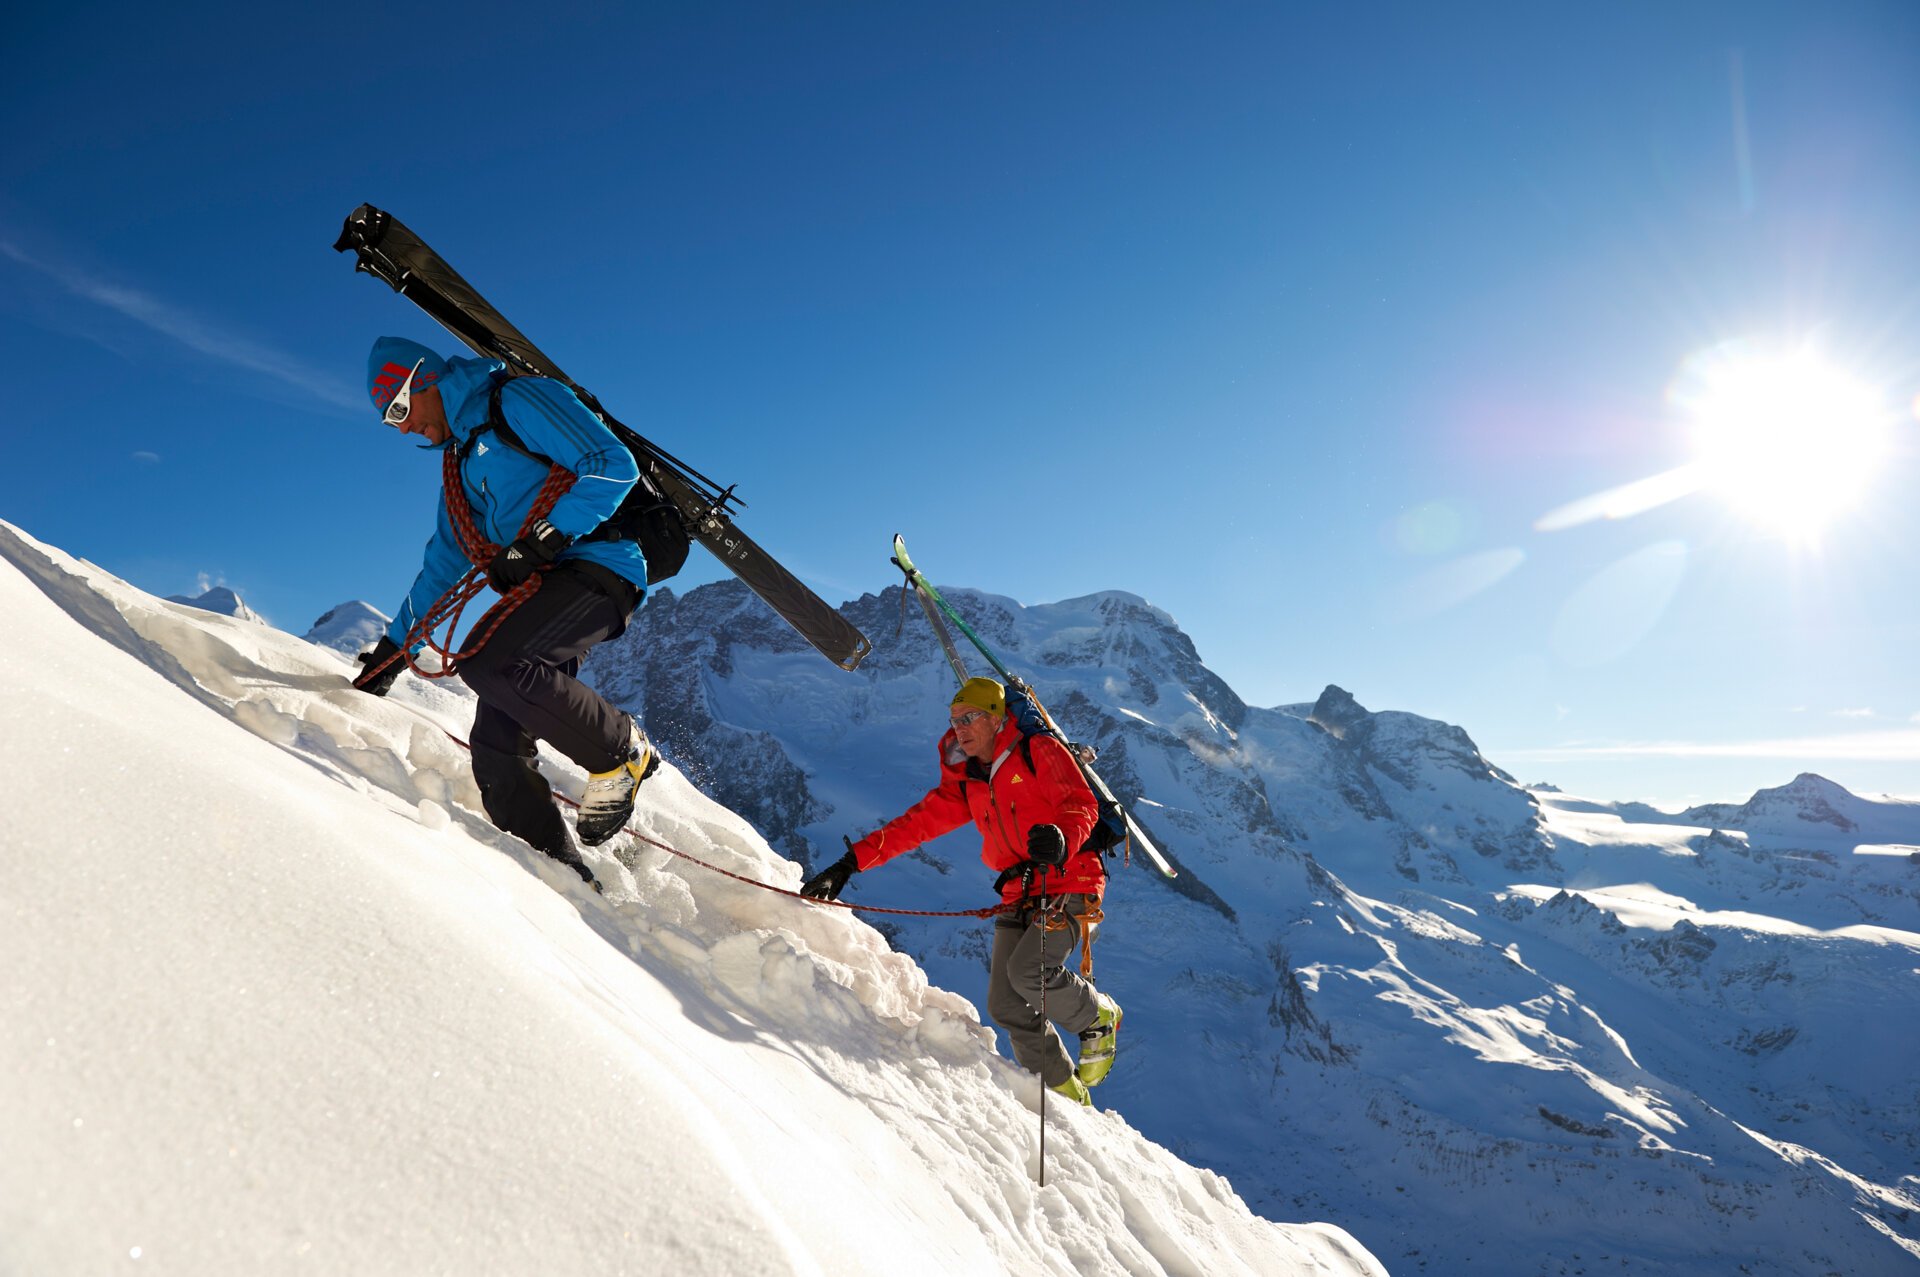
(1416, 995)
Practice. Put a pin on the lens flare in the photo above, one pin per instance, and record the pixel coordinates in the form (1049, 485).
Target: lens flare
(1788, 440)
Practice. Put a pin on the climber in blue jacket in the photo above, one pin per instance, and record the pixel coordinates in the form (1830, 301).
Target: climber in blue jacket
(525, 673)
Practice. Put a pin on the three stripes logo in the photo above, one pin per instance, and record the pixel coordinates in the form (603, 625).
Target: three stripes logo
(387, 382)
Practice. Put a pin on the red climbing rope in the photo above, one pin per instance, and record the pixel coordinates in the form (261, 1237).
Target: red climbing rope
(447, 609)
(479, 551)
(989, 911)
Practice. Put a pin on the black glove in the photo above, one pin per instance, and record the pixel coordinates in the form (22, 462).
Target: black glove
(1046, 845)
(372, 679)
(831, 881)
(541, 546)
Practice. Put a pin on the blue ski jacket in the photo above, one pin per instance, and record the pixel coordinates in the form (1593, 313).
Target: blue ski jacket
(502, 482)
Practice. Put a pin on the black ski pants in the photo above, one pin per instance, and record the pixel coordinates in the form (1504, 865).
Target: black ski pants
(525, 679)
(1027, 959)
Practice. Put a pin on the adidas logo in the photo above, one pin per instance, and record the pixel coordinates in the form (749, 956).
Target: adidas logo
(386, 383)
(1015, 780)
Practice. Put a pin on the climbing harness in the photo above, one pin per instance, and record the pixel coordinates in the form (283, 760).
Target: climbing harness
(1056, 918)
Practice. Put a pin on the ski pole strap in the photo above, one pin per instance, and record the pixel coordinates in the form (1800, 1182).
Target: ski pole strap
(1022, 871)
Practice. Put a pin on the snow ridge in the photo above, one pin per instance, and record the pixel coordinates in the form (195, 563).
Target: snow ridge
(283, 999)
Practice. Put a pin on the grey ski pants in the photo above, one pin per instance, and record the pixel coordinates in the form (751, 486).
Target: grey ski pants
(1023, 955)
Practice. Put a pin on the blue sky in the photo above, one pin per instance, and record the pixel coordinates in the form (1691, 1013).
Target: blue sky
(1297, 323)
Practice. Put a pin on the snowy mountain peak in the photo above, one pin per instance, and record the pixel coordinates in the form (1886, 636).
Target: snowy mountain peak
(1401, 740)
(350, 628)
(1121, 606)
(221, 600)
(1808, 800)
(1813, 786)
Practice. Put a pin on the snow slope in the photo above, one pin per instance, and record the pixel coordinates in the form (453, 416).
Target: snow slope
(276, 999)
(1484, 1029)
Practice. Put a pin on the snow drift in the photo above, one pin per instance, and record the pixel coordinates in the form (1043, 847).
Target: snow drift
(276, 998)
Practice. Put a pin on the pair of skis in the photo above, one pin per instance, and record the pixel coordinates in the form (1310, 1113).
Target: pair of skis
(934, 605)
(387, 250)
(384, 248)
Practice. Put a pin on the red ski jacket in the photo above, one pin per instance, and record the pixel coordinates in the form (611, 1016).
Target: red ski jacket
(1004, 798)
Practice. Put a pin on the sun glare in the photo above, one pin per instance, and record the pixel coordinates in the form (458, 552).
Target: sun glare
(1790, 441)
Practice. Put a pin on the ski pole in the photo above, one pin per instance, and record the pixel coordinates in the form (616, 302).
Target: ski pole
(1044, 1024)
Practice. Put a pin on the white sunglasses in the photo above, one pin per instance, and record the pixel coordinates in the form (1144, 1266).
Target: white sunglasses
(396, 413)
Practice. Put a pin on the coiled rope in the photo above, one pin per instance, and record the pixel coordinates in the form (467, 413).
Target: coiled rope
(480, 552)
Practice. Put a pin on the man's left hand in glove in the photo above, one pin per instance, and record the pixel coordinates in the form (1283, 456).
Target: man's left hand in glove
(513, 565)
(831, 881)
(379, 667)
(1046, 845)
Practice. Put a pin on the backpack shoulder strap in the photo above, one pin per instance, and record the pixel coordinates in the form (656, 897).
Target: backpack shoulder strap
(496, 422)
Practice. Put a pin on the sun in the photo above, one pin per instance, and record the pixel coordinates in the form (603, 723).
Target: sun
(1788, 440)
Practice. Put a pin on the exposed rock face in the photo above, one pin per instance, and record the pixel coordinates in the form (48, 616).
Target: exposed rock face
(1431, 779)
(1116, 672)
(675, 651)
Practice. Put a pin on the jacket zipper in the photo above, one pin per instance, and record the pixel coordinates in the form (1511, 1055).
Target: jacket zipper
(993, 801)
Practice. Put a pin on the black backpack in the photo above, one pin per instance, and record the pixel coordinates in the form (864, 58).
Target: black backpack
(645, 515)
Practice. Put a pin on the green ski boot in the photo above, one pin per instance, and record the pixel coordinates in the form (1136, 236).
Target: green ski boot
(1097, 1042)
(1074, 1089)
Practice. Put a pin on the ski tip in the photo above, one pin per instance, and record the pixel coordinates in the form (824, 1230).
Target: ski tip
(900, 559)
(852, 659)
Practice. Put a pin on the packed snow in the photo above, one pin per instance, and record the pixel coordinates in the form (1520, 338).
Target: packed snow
(278, 999)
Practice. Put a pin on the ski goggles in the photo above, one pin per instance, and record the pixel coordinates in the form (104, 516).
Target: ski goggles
(396, 413)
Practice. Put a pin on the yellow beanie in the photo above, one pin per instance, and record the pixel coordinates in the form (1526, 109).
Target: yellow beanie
(982, 693)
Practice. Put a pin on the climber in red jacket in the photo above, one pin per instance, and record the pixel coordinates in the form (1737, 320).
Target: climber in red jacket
(1034, 812)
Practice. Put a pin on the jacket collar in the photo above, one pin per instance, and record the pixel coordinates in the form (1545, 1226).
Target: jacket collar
(464, 391)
